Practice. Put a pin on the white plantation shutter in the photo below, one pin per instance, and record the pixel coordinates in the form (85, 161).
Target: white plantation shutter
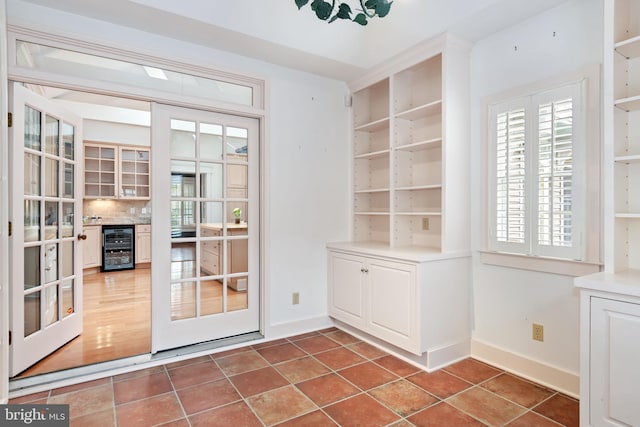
(536, 192)
(510, 176)
(560, 147)
(508, 159)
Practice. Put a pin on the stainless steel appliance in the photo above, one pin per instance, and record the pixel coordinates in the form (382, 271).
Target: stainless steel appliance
(118, 247)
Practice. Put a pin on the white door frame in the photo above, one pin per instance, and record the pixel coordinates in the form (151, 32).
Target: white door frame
(35, 35)
(168, 333)
(4, 212)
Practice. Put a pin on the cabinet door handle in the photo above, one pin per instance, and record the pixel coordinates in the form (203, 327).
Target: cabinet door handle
(82, 237)
(364, 270)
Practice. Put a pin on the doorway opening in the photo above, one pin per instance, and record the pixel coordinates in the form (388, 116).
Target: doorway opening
(117, 174)
(209, 236)
(116, 304)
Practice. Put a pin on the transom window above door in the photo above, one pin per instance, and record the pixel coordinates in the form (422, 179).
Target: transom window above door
(225, 88)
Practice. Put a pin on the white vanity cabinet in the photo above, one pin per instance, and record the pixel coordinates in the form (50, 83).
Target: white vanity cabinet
(416, 303)
(610, 349)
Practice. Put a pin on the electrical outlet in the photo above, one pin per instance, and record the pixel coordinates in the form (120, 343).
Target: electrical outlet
(538, 332)
(295, 298)
(425, 223)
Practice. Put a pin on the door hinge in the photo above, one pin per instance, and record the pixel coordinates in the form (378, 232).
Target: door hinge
(10, 230)
(9, 337)
(10, 120)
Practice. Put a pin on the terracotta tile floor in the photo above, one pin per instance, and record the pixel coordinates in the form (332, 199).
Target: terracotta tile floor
(324, 378)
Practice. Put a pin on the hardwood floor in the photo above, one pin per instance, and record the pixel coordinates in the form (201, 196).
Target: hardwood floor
(117, 316)
(117, 322)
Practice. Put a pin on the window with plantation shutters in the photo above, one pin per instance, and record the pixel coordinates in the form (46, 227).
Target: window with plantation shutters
(537, 186)
(510, 176)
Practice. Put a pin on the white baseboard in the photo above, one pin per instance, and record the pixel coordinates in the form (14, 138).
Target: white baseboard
(429, 361)
(541, 373)
(297, 327)
(447, 355)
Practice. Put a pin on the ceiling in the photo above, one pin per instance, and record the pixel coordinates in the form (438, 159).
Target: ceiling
(277, 32)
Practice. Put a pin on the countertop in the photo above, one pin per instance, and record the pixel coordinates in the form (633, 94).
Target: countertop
(217, 226)
(624, 282)
(118, 221)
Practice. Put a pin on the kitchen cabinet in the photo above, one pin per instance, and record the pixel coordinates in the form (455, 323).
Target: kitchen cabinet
(134, 173)
(143, 243)
(212, 256)
(610, 349)
(405, 302)
(100, 171)
(92, 246)
(237, 182)
(112, 171)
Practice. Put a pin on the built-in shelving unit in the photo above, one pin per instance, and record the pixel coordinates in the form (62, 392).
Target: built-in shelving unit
(624, 132)
(407, 265)
(610, 300)
(400, 138)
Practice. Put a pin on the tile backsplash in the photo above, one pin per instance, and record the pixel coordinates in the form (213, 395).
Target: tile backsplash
(113, 211)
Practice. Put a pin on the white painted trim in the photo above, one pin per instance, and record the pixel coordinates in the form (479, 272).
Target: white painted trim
(4, 213)
(444, 356)
(547, 375)
(592, 223)
(297, 327)
(535, 263)
(66, 42)
(429, 361)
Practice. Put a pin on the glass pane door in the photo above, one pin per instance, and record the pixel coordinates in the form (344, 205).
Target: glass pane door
(46, 294)
(213, 245)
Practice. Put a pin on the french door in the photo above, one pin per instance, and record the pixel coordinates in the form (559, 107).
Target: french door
(206, 224)
(45, 213)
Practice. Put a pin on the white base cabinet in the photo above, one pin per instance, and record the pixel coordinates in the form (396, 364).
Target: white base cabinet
(143, 243)
(610, 349)
(92, 246)
(419, 304)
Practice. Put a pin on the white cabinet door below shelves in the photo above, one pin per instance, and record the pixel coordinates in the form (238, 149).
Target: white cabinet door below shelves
(615, 352)
(392, 301)
(376, 296)
(346, 288)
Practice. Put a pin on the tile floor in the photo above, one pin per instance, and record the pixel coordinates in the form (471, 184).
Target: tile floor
(324, 378)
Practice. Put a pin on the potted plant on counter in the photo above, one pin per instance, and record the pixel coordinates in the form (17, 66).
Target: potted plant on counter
(237, 212)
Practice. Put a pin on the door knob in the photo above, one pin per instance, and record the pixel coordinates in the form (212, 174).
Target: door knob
(82, 236)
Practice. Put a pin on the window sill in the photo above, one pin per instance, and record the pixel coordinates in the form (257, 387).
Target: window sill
(541, 264)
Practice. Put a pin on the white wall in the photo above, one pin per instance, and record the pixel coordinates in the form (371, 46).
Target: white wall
(507, 301)
(306, 146)
(115, 133)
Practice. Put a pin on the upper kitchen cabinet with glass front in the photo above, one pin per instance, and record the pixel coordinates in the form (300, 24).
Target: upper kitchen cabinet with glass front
(116, 172)
(134, 173)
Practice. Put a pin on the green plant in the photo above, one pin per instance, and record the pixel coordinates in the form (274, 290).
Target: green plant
(369, 8)
(237, 212)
